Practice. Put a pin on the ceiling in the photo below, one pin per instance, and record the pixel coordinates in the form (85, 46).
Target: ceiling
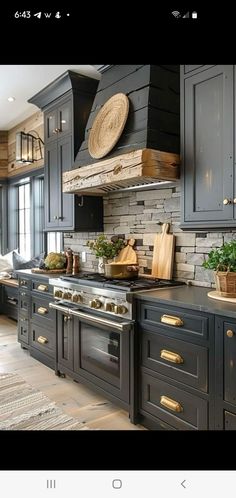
(22, 82)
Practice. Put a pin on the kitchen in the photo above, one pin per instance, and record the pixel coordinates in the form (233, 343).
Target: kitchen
(166, 344)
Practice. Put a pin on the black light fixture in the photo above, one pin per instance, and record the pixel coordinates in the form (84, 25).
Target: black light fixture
(28, 147)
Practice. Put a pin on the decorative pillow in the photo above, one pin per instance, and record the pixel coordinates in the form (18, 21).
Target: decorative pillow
(20, 263)
(6, 261)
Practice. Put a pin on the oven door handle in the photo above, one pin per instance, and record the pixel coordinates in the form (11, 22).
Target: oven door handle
(122, 326)
(59, 307)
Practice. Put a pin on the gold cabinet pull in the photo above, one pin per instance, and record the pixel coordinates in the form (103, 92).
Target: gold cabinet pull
(172, 320)
(170, 356)
(42, 340)
(230, 333)
(42, 311)
(42, 288)
(171, 404)
(227, 201)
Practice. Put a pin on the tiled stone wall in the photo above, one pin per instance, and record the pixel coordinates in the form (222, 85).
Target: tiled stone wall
(138, 214)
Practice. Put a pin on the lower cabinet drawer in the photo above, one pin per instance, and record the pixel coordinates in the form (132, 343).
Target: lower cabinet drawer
(40, 312)
(179, 360)
(42, 339)
(229, 421)
(174, 406)
(23, 330)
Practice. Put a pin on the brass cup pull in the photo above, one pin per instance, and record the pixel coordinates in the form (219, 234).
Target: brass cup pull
(42, 311)
(42, 340)
(43, 288)
(172, 320)
(171, 404)
(170, 356)
(227, 201)
(230, 333)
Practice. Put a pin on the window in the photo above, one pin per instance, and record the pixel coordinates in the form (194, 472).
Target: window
(23, 218)
(26, 215)
(54, 242)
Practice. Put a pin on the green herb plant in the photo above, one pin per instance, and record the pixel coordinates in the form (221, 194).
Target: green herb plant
(223, 258)
(102, 247)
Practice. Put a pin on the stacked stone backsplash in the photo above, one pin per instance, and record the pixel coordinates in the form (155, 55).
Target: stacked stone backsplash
(137, 215)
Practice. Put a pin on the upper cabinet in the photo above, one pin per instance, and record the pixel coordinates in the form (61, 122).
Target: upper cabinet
(66, 103)
(207, 126)
(58, 120)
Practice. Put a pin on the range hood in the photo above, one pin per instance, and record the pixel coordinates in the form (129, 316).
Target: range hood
(147, 152)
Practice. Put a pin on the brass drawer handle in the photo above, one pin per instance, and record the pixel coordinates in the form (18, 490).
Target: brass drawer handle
(42, 340)
(170, 356)
(172, 320)
(43, 288)
(42, 311)
(171, 404)
(230, 333)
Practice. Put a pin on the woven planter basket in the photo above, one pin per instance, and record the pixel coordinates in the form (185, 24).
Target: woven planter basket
(225, 283)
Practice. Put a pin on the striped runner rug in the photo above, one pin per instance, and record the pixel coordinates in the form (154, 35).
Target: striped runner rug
(22, 407)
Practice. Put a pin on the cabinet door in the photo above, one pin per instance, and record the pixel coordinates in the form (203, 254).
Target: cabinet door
(230, 362)
(51, 190)
(208, 146)
(65, 341)
(51, 125)
(64, 118)
(66, 201)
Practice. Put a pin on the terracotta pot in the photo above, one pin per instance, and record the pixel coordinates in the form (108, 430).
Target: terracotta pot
(121, 270)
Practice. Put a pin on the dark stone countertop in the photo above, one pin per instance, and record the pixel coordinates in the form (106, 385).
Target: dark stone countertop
(190, 297)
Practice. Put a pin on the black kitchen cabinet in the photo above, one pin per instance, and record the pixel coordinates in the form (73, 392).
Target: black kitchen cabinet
(225, 373)
(9, 301)
(66, 103)
(36, 320)
(175, 368)
(207, 124)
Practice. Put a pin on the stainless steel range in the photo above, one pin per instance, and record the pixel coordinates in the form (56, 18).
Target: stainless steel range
(92, 291)
(96, 332)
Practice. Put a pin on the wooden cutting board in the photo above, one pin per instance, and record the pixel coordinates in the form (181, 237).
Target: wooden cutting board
(127, 254)
(163, 254)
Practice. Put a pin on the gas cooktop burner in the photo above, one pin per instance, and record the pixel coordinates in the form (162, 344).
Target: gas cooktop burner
(131, 285)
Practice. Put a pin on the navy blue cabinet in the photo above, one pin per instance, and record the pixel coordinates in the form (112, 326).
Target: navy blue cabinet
(66, 103)
(207, 143)
(176, 368)
(225, 373)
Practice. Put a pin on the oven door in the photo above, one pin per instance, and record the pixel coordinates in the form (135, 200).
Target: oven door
(102, 352)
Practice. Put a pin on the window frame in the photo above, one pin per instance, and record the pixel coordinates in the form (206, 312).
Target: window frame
(38, 243)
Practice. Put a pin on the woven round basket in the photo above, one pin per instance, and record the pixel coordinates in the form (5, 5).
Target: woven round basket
(225, 283)
(108, 126)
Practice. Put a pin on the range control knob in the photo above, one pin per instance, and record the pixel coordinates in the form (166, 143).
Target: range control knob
(95, 303)
(58, 293)
(120, 309)
(109, 307)
(76, 298)
(66, 295)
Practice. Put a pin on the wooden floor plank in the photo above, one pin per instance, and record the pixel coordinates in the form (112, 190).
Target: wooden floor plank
(73, 398)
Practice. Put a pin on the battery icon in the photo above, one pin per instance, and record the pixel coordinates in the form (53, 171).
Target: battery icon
(194, 15)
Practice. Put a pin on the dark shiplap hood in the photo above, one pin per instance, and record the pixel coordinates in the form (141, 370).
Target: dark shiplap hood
(148, 149)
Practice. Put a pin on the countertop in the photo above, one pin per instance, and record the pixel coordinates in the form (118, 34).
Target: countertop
(12, 282)
(190, 297)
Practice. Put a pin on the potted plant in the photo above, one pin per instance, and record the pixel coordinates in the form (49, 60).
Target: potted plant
(223, 261)
(105, 249)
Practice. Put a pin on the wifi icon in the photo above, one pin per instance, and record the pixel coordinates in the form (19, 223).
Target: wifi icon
(176, 13)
